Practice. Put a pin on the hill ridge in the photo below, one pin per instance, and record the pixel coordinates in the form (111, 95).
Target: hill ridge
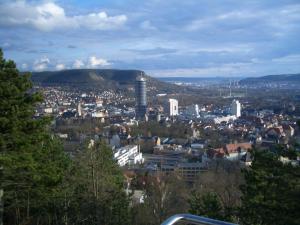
(100, 78)
(272, 79)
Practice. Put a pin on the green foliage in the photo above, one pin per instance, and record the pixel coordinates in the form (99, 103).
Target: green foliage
(207, 205)
(289, 153)
(33, 162)
(271, 191)
(97, 196)
(40, 184)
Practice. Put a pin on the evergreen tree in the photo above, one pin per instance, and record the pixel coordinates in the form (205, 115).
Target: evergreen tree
(99, 196)
(33, 162)
(271, 191)
(207, 205)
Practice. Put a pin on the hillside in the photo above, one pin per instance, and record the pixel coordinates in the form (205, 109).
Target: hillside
(272, 79)
(97, 78)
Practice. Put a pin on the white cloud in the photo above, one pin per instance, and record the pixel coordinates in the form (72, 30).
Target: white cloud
(237, 15)
(41, 64)
(60, 66)
(97, 62)
(78, 64)
(44, 63)
(49, 16)
(100, 21)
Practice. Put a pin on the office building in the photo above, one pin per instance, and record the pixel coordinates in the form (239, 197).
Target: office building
(141, 98)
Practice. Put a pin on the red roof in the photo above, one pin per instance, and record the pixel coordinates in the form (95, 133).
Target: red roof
(230, 148)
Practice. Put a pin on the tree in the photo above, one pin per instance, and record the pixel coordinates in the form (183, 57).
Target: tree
(165, 195)
(33, 161)
(207, 204)
(98, 195)
(271, 191)
(219, 185)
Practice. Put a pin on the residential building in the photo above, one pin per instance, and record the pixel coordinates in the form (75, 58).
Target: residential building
(172, 107)
(236, 108)
(128, 155)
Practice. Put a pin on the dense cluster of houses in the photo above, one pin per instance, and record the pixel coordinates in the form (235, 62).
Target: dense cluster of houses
(188, 155)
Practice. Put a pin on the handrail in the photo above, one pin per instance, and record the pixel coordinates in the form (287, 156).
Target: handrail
(195, 219)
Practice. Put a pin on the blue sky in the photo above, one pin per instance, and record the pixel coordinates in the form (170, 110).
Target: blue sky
(161, 37)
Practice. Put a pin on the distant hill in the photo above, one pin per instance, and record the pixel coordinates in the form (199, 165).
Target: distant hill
(97, 78)
(272, 79)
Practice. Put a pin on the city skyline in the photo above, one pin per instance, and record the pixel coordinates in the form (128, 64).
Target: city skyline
(163, 38)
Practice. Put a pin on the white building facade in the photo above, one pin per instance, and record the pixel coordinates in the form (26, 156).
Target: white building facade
(128, 155)
(236, 108)
(172, 107)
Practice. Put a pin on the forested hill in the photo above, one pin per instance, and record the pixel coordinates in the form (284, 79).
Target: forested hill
(284, 78)
(100, 78)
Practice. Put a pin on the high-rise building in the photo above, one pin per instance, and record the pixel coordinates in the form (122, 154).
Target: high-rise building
(141, 98)
(172, 107)
(192, 110)
(79, 109)
(236, 108)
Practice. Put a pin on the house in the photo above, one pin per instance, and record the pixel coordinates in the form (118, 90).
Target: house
(229, 151)
(275, 132)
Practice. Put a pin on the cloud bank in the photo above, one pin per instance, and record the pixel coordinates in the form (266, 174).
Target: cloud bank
(50, 16)
(164, 38)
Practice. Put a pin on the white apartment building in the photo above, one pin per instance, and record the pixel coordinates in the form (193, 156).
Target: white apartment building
(172, 107)
(236, 108)
(128, 155)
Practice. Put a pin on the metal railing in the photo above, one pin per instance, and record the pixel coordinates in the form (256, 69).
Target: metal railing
(194, 219)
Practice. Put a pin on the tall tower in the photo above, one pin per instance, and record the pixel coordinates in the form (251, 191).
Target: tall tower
(141, 97)
(236, 108)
